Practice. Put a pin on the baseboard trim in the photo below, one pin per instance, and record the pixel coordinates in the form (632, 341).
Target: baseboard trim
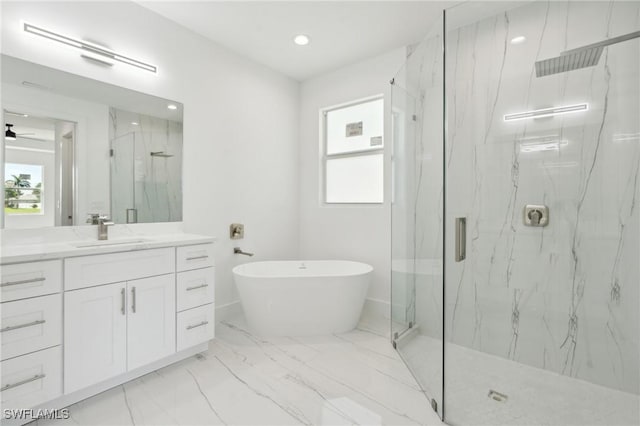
(377, 308)
(375, 317)
(228, 310)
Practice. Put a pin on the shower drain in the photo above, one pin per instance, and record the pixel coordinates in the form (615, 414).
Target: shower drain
(497, 396)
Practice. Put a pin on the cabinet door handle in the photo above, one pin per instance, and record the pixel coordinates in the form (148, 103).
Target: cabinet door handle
(198, 257)
(32, 280)
(122, 302)
(189, 327)
(461, 239)
(23, 382)
(29, 324)
(133, 300)
(197, 287)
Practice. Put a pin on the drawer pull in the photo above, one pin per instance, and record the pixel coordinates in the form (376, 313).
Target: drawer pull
(197, 287)
(23, 382)
(32, 280)
(198, 257)
(29, 324)
(133, 298)
(189, 327)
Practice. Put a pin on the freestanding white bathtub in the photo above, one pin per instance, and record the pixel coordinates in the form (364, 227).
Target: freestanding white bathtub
(302, 298)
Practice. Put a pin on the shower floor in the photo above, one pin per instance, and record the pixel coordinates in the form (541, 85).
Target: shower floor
(244, 379)
(534, 396)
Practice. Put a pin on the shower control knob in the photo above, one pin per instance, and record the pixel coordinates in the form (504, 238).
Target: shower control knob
(536, 215)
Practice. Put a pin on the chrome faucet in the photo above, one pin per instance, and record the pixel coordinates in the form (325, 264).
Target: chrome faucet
(103, 227)
(238, 250)
(94, 218)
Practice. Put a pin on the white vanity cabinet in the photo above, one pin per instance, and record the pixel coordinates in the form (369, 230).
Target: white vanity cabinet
(31, 333)
(78, 325)
(95, 337)
(151, 322)
(112, 328)
(195, 295)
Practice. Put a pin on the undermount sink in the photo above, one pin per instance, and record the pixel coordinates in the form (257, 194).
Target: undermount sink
(108, 243)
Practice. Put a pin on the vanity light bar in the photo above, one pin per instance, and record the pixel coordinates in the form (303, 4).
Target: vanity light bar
(546, 112)
(88, 47)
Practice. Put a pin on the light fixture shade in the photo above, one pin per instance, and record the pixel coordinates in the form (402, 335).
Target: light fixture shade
(9, 134)
(89, 50)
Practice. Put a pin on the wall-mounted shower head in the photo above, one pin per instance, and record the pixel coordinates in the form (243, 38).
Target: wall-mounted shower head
(582, 57)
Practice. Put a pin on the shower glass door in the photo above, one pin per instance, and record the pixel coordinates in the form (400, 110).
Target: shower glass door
(417, 211)
(122, 178)
(542, 318)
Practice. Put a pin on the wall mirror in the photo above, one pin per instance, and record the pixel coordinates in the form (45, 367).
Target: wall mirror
(74, 147)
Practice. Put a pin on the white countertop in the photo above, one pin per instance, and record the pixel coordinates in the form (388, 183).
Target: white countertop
(16, 252)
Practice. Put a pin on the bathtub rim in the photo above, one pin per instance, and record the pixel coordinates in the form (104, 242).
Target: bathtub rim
(368, 269)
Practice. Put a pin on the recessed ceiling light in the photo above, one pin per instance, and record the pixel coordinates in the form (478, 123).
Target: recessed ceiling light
(172, 106)
(518, 40)
(134, 123)
(301, 40)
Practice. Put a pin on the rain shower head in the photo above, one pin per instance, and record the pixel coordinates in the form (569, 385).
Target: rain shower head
(582, 57)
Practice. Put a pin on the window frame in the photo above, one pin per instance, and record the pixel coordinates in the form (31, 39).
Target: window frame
(325, 157)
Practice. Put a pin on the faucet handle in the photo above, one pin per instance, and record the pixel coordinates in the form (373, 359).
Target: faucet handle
(93, 218)
(104, 220)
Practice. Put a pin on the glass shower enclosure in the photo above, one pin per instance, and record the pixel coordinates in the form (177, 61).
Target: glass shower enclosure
(515, 224)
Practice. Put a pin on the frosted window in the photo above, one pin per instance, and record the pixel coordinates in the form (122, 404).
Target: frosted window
(355, 128)
(357, 179)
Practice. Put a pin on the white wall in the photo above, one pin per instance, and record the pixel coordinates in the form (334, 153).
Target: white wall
(359, 233)
(240, 119)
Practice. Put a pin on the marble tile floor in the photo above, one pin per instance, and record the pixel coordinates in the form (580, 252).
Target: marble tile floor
(535, 396)
(243, 379)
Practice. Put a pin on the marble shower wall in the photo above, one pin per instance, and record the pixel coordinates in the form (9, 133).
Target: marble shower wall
(565, 297)
(150, 184)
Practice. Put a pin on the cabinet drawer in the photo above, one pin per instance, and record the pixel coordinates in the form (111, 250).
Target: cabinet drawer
(195, 288)
(195, 326)
(88, 271)
(33, 379)
(194, 257)
(30, 325)
(30, 280)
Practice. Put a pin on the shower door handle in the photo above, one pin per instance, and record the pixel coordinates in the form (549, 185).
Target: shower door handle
(461, 239)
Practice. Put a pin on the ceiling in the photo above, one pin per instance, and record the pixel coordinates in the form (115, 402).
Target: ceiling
(341, 32)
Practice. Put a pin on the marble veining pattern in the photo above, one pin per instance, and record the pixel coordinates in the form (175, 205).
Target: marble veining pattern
(566, 297)
(245, 379)
(534, 396)
(150, 184)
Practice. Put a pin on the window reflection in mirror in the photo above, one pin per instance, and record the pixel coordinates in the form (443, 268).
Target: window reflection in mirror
(38, 171)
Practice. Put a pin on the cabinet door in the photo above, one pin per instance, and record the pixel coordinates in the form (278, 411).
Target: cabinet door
(152, 320)
(95, 338)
